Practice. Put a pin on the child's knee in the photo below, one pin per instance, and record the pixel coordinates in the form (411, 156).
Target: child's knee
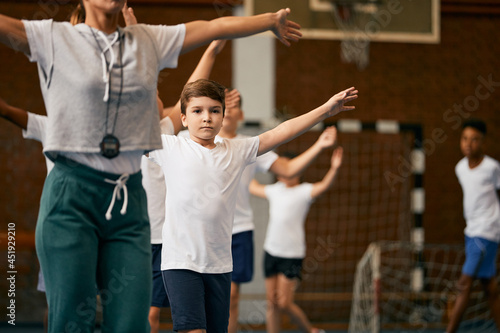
(284, 303)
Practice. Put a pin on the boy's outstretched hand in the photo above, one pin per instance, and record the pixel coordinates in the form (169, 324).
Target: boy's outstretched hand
(284, 29)
(336, 104)
(232, 99)
(128, 15)
(336, 160)
(216, 46)
(327, 138)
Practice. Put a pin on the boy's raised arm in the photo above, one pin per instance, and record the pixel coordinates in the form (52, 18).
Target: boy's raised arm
(327, 181)
(291, 168)
(13, 34)
(128, 15)
(229, 27)
(292, 128)
(257, 189)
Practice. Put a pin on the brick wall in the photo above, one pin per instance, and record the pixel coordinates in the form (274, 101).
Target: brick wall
(412, 83)
(406, 82)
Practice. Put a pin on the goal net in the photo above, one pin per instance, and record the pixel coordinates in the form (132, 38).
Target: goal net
(383, 297)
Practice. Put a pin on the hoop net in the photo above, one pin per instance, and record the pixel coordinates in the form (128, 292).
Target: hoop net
(355, 46)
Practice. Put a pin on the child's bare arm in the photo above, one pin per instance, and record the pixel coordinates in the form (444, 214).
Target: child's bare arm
(327, 181)
(230, 27)
(294, 127)
(232, 99)
(13, 34)
(257, 189)
(128, 15)
(207, 60)
(15, 115)
(291, 168)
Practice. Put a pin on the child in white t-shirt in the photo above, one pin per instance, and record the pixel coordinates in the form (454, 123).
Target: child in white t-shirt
(202, 178)
(285, 243)
(479, 176)
(154, 185)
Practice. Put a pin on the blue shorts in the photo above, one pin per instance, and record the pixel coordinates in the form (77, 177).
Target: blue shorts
(290, 267)
(197, 300)
(480, 258)
(160, 298)
(242, 250)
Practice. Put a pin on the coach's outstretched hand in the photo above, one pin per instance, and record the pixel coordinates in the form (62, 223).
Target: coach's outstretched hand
(286, 30)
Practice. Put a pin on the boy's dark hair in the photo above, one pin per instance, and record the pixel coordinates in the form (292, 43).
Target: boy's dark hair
(477, 124)
(203, 88)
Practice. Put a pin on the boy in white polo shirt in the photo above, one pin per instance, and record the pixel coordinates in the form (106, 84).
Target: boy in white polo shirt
(479, 176)
(202, 178)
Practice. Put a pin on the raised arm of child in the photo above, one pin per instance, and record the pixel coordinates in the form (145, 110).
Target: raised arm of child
(202, 71)
(128, 15)
(230, 27)
(295, 166)
(320, 187)
(17, 116)
(292, 128)
(257, 189)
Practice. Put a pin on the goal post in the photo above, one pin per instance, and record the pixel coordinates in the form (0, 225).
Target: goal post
(365, 311)
(384, 299)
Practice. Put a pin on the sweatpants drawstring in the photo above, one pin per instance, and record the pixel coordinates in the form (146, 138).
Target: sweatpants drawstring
(120, 183)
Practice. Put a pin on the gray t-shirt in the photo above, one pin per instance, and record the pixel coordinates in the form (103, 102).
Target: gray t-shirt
(72, 74)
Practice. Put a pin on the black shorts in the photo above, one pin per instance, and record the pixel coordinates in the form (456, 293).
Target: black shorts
(242, 250)
(290, 267)
(198, 300)
(160, 298)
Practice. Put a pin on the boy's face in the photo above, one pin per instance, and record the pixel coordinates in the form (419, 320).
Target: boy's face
(203, 118)
(471, 143)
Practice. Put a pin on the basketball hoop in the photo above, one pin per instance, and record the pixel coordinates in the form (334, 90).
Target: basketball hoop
(348, 16)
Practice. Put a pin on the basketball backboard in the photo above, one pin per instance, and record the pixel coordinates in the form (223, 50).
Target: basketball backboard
(406, 21)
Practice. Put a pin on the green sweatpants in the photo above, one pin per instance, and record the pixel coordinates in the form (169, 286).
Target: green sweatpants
(80, 250)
